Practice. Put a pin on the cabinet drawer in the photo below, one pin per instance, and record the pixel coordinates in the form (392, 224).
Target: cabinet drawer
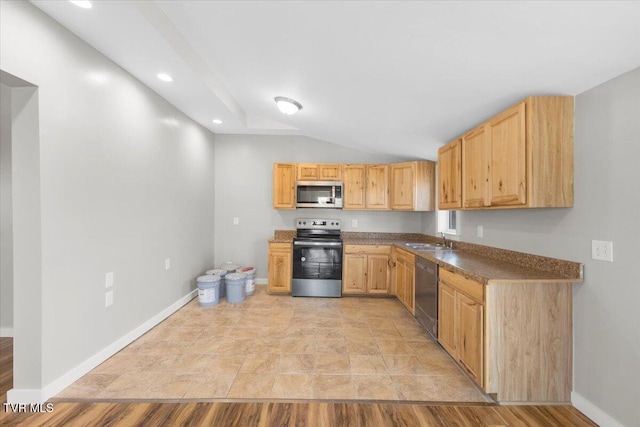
(473, 290)
(280, 246)
(367, 249)
(406, 255)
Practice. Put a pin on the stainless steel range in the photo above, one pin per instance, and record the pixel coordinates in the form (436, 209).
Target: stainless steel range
(317, 258)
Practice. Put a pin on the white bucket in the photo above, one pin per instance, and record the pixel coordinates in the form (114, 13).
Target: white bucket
(235, 287)
(208, 290)
(221, 273)
(250, 283)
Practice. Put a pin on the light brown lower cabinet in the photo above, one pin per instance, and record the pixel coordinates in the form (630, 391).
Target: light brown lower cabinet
(405, 267)
(367, 269)
(280, 268)
(513, 338)
(461, 322)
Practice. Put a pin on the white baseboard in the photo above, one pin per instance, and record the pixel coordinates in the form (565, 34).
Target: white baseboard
(6, 332)
(596, 414)
(261, 281)
(55, 387)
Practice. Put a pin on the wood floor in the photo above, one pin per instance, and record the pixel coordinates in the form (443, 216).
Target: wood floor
(247, 413)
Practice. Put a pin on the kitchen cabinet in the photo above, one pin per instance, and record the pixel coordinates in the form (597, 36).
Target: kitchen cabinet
(366, 187)
(280, 268)
(412, 186)
(460, 321)
(284, 186)
(354, 187)
(367, 269)
(405, 267)
(514, 339)
(377, 187)
(450, 175)
(319, 172)
(521, 158)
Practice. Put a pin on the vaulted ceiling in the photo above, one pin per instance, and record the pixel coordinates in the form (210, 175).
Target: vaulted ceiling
(394, 77)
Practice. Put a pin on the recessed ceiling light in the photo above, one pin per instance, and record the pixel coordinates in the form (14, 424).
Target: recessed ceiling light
(165, 77)
(85, 4)
(287, 105)
(217, 121)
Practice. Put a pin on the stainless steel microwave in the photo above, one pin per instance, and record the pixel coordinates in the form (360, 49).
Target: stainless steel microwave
(319, 194)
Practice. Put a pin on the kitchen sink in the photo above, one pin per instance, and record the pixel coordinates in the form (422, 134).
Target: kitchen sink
(427, 246)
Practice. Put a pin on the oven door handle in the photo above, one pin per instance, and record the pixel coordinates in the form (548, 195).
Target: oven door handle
(313, 244)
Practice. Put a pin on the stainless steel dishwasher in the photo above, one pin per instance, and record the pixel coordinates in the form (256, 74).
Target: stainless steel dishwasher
(427, 296)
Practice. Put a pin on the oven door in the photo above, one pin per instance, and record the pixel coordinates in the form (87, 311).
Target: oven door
(317, 268)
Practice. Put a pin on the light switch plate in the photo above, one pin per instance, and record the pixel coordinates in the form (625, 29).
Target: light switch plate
(602, 250)
(236, 220)
(354, 223)
(108, 300)
(480, 231)
(108, 280)
(167, 263)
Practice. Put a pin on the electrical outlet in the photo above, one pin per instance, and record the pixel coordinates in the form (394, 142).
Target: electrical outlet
(354, 223)
(167, 263)
(480, 231)
(108, 300)
(236, 220)
(108, 280)
(602, 250)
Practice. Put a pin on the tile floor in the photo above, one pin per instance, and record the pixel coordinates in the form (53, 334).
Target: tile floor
(280, 347)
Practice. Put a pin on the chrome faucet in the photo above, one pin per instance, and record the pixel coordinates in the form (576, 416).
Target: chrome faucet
(446, 244)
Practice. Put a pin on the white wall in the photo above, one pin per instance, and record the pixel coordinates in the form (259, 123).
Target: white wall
(126, 181)
(6, 216)
(244, 189)
(607, 202)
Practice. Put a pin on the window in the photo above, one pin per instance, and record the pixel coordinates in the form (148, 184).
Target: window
(448, 222)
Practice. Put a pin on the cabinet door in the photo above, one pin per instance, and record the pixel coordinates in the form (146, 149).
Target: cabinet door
(354, 187)
(402, 186)
(280, 263)
(410, 287)
(508, 157)
(284, 182)
(401, 272)
(354, 280)
(475, 168)
(330, 172)
(450, 175)
(378, 274)
(446, 318)
(307, 172)
(470, 338)
(377, 187)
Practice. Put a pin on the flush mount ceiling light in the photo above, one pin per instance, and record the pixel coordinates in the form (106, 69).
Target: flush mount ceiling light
(82, 3)
(287, 106)
(217, 121)
(165, 77)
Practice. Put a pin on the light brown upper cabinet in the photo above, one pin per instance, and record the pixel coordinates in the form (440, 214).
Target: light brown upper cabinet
(319, 172)
(412, 186)
(475, 168)
(450, 175)
(377, 187)
(355, 181)
(521, 158)
(284, 185)
(366, 187)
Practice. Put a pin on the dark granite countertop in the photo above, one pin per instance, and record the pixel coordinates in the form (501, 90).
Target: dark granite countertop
(476, 262)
